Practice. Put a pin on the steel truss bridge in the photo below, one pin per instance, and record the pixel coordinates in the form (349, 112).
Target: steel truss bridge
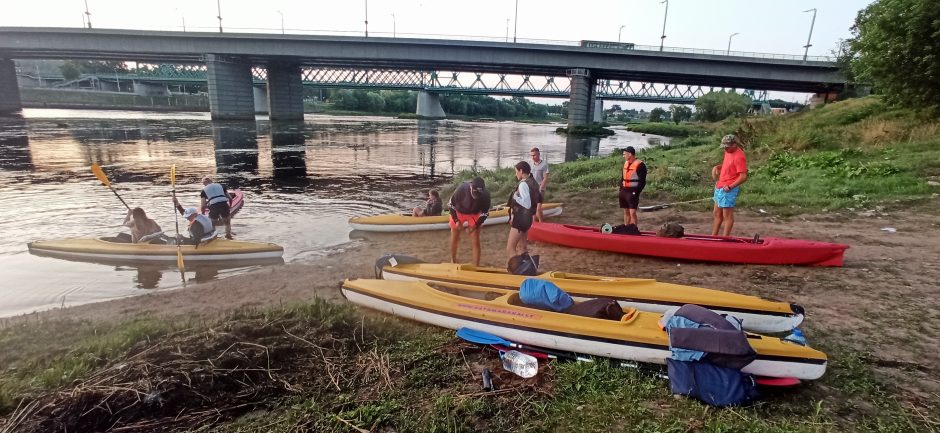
(445, 82)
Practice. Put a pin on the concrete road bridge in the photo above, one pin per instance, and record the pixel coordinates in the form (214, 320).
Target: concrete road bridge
(286, 60)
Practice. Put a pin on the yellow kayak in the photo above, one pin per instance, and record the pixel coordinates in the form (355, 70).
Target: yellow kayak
(757, 314)
(636, 337)
(396, 222)
(105, 249)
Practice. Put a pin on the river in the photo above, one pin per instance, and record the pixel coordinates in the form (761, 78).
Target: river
(302, 181)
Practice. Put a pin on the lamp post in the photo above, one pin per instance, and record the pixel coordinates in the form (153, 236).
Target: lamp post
(394, 30)
(728, 52)
(507, 30)
(282, 21)
(808, 39)
(367, 18)
(662, 39)
(619, 32)
(515, 23)
(218, 7)
(182, 18)
(87, 15)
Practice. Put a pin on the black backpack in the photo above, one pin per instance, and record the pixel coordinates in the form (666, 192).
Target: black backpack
(523, 264)
(629, 229)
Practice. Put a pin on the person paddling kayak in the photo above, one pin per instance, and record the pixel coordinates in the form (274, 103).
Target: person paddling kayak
(201, 228)
(217, 200)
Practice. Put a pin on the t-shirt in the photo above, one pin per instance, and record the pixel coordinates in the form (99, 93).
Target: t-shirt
(732, 166)
(539, 170)
(462, 201)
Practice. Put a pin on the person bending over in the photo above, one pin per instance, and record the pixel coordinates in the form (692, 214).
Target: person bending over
(469, 208)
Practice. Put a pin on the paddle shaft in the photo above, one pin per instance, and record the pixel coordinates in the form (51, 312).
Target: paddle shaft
(103, 178)
(176, 219)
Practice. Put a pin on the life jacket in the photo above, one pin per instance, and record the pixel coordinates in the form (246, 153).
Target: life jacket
(533, 198)
(214, 194)
(630, 177)
(207, 227)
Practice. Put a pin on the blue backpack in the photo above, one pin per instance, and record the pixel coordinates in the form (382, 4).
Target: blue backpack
(714, 385)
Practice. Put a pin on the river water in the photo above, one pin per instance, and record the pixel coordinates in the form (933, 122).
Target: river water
(302, 181)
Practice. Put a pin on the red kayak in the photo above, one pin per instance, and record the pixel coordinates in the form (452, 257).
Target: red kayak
(238, 200)
(765, 251)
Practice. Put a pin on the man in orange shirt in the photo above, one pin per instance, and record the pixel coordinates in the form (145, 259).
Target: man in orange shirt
(728, 176)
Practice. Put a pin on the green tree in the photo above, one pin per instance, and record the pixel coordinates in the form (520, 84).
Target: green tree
(715, 106)
(657, 115)
(680, 113)
(70, 71)
(896, 47)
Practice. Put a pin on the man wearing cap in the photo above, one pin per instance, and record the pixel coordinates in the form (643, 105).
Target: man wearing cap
(469, 207)
(728, 176)
(215, 198)
(631, 185)
(540, 175)
(201, 228)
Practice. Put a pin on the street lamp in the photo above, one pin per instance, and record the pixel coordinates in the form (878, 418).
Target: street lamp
(507, 30)
(367, 18)
(282, 21)
(394, 30)
(515, 23)
(218, 6)
(87, 14)
(182, 18)
(662, 39)
(619, 32)
(808, 39)
(728, 53)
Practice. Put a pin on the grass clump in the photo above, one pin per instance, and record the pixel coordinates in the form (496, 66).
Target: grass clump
(668, 129)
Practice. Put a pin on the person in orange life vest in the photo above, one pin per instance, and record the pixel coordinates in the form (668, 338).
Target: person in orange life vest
(216, 199)
(523, 205)
(631, 185)
(469, 208)
(728, 176)
(201, 228)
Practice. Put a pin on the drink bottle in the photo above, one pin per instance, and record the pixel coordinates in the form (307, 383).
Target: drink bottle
(521, 364)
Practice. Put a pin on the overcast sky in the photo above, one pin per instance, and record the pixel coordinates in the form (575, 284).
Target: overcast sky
(767, 26)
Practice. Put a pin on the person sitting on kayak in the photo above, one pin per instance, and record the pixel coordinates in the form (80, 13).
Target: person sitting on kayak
(433, 207)
(216, 199)
(143, 229)
(201, 228)
(522, 208)
(469, 207)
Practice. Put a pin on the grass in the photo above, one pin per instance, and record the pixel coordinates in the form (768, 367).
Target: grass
(668, 129)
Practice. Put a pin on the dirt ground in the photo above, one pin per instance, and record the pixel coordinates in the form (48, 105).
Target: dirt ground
(883, 302)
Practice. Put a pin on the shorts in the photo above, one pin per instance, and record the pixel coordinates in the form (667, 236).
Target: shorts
(219, 210)
(629, 198)
(521, 221)
(726, 199)
(464, 219)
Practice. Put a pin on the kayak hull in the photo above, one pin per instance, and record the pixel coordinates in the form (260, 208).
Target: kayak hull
(768, 251)
(638, 338)
(756, 314)
(104, 250)
(408, 223)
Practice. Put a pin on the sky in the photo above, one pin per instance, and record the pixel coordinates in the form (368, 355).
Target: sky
(765, 26)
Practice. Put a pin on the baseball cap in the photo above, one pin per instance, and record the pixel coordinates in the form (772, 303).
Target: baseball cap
(189, 212)
(630, 150)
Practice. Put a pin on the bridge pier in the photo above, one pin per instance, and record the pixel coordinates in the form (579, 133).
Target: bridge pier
(285, 92)
(429, 105)
(9, 89)
(598, 111)
(581, 102)
(261, 99)
(230, 88)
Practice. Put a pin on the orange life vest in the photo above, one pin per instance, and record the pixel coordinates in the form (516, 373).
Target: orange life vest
(630, 177)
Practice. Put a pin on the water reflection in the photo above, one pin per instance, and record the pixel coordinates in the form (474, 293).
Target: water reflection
(14, 145)
(288, 154)
(236, 151)
(427, 141)
(581, 146)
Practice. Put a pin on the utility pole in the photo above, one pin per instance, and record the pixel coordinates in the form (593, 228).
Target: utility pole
(282, 21)
(367, 18)
(728, 52)
(394, 30)
(619, 32)
(662, 39)
(808, 39)
(507, 30)
(218, 6)
(87, 14)
(515, 23)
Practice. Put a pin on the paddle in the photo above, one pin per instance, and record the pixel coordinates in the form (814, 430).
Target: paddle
(485, 338)
(99, 173)
(176, 217)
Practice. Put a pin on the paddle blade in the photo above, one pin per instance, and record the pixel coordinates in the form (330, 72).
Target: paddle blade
(480, 337)
(99, 173)
(179, 260)
(173, 175)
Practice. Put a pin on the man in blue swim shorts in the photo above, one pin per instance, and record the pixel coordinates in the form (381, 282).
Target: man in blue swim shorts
(728, 176)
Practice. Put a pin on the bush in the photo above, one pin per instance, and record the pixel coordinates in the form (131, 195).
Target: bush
(716, 106)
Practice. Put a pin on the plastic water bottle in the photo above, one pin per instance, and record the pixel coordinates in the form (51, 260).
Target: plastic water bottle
(796, 336)
(521, 364)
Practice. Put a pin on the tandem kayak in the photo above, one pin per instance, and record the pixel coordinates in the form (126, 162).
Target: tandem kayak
(636, 337)
(763, 251)
(106, 249)
(235, 205)
(756, 314)
(407, 223)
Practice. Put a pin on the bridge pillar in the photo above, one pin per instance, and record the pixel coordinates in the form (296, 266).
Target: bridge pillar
(581, 102)
(230, 94)
(285, 92)
(598, 111)
(145, 89)
(429, 105)
(9, 90)
(261, 99)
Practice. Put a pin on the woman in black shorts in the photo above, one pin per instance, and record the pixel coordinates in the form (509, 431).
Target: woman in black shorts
(522, 206)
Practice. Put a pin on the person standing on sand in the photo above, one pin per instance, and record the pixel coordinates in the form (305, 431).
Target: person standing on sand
(728, 176)
(522, 205)
(215, 197)
(631, 185)
(540, 174)
(469, 208)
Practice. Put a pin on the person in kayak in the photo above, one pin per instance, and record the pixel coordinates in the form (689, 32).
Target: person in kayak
(632, 183)
(201, 228)
(540, 175)
(143, 229)
(469, 208)
(217, 200)
(433, 207)
(728, 176)
(523, 205)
